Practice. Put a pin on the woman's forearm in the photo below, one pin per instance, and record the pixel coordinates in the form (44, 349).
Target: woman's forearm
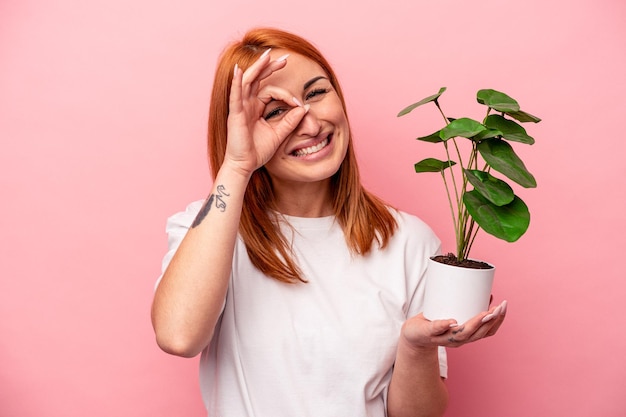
(416, 389)
(190, 296)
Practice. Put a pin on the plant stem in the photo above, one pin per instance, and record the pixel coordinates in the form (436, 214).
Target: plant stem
(454, 185)
(456, 213)
(441, 111)
(454, 217)
(471, 238)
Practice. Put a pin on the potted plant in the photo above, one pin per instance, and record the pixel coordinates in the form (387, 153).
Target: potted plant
(477, 198)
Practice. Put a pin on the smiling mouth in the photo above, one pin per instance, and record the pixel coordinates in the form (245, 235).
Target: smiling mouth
(311, 149)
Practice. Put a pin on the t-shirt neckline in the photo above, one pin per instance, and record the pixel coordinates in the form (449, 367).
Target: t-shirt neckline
(324, 222)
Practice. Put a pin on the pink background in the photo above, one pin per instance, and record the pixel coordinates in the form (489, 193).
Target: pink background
(102, 121)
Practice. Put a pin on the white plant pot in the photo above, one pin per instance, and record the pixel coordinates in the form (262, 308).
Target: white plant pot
(456, 293)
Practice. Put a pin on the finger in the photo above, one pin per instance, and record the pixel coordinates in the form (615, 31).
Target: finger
(490, 323)
(272, 67)
(474, 328)
(265, 72)
(495, 326)
(253, 71)
(440, 327)
(235, 91)
(262, 68)
(257, 66)
(270, 93)
(493, 313)
(498, 321)
(483, 325)
(290, 122)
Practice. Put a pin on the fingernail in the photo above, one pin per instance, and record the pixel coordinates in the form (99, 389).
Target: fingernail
(504, 306)
(454, 325)
(307, 107)
(267, 51)
(282, 58)
(490, 316)
(487, 318)
(236, 68)
(295, 100)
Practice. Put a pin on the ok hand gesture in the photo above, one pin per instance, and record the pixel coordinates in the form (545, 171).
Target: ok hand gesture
(252, 141)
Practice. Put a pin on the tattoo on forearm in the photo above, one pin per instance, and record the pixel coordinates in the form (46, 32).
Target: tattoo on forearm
(221, 193)
(203, 211)
(220, 204)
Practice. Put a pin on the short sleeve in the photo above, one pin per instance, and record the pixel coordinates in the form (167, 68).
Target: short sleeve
(421, 244)
(176, 228)
(443, 362)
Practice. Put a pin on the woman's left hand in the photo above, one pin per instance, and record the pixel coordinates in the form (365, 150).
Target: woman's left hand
(419, 332)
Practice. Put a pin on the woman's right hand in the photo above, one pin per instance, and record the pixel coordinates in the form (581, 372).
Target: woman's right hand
(252, 141)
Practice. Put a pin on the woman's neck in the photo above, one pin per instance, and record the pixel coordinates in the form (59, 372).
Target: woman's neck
(304, 199)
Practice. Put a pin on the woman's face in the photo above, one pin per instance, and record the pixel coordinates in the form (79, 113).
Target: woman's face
(315, 150)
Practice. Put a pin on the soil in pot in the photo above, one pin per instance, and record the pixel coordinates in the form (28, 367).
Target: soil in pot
(451, 259)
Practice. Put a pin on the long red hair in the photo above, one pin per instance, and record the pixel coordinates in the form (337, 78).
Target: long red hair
(363, 217)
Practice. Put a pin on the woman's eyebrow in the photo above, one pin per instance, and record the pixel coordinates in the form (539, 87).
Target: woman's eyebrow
(313, 81)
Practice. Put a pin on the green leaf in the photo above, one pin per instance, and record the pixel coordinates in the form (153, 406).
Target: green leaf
(508, 222)
(522, 116)
(497, 101)
(501, 157)
(510, 130)
(493, 189)
(463, 127)
(433, 138)
(433, 165)
(487, 134)
(421, 102)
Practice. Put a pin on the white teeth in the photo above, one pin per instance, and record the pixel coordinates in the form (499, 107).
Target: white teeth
(311, 149)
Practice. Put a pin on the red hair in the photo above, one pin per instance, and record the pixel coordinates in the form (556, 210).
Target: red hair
(363, 217)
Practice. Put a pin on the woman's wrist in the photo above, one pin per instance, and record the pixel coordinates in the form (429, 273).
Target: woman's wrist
(414, 351)
(230, 169)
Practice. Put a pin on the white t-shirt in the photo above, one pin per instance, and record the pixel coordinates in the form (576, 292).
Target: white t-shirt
(322, 348)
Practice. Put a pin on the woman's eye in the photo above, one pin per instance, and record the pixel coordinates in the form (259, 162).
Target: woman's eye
(275, 113)
(316, 93)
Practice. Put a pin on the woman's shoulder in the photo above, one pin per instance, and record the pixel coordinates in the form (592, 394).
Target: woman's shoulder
(411, 228)
(409, 222)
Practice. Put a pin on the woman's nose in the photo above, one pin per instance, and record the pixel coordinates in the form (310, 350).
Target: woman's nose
(309, 125)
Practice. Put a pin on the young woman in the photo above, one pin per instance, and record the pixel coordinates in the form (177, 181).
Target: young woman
(302, 290)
